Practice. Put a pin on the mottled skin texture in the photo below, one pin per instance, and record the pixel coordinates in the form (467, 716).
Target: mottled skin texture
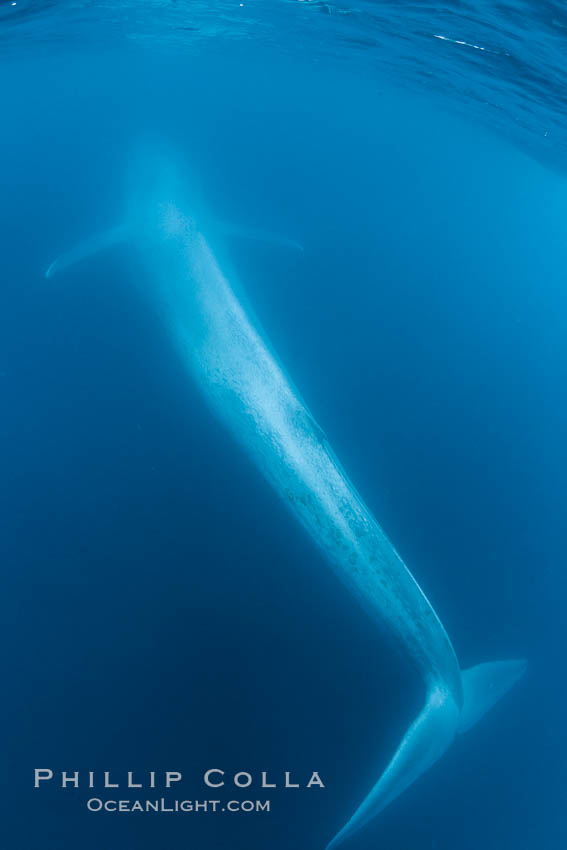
(251, 393)
(223, 349)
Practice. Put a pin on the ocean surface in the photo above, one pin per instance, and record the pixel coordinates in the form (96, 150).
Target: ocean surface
(161, 610)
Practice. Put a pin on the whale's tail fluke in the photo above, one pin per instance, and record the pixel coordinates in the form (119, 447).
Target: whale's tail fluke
(484, 685)
(425, 741)
(431, 734)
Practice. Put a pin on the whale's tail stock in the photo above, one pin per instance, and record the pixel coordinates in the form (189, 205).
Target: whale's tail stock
(431, 734)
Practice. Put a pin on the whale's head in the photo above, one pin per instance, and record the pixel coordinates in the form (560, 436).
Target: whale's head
(162, 194)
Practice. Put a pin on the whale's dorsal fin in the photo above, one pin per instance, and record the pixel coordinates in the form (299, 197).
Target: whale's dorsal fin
(88, 247)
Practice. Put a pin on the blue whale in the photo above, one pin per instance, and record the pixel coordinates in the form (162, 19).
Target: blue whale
(227, 355)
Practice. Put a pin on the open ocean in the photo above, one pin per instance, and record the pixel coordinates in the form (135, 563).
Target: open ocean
(161, 609)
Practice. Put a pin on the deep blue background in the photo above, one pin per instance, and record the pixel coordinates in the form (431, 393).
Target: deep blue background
(160, 608)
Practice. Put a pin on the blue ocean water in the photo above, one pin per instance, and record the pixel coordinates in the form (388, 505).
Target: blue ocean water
(162, 611)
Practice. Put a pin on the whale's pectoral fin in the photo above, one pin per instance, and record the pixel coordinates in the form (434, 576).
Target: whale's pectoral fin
(432, 733)
(483, 686)
(88, 248)
(234, 230)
